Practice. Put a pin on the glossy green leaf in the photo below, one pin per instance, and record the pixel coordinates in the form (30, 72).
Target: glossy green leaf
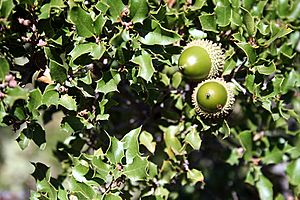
(130, 143)
(283, 8)
(115, 152)
(277, 32)
(81, 49)
(58, 71)
(82, 21)
(23, 141)
(234, 157)
(50, 97)
(138, 10)
(236, 18)
(208, 22)
(14, 94)
(111, 85)
(171, 140)
(62, 194)
(47, 187)
(195, 176)
(82, 188)
(265, 188)
(249, 51)
(273, 157)
(116, 7)
(101, 167)
(249, 23)
(246, 141)
(99, 23)
(229, 66)
(137, 170)
(266, 70)
(4, 68)
(223, 13)
(68, 102)
(146, 139)
(193, 139)
(80, 170)
(111, 196)
(293, 172)
(35, 99)
(6, 7)
(34, 132)
(160, 35)
(146, 69)
(176, 79)
(198, 4)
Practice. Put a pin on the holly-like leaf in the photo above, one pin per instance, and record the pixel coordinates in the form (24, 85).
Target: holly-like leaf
(171, 140)
(67, 102)
(146, 68)
(131, 145)
(34, 132)
(82, 188)
(46, 187)
(223, 13)
(137, 170)
(111, 85)
(81, 49)
(293, 172)
(208, 22)
(146, 139)
(115, 152)
(249, 51)
(58, 71)
(4, 68)
(277, 32)
(193, 139)
(111, 196)
(62, 194)
(14, 94)
(246, 141)
(273, 157)
(265, 188)
(79, 170)
(266, 70)
(6, 7)
(159, 35)
(116, 7)
(176, 79)
(101, 167)
(35, 99)
(249, 22)
(138, 10)
(195, 176)
(50, 97)
(99, 23)
(82, 21)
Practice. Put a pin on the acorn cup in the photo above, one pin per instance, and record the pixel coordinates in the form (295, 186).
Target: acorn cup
(213, 98)
(201, 59)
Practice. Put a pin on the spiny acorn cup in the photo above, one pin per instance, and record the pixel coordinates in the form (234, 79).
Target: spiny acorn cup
(213, 98)
(201, 59)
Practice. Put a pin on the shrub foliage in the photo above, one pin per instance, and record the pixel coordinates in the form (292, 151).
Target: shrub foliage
(111, 67)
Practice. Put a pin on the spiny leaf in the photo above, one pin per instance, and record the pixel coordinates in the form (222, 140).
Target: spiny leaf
(137, 170)
(146, 68)
(115, 152)
(82, 20)
(130, 141)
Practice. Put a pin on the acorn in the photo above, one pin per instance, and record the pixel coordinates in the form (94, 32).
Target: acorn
(201, 59)
(213, 98)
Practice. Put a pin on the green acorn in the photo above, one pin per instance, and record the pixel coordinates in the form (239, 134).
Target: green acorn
(213, 98)
(201, 59)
